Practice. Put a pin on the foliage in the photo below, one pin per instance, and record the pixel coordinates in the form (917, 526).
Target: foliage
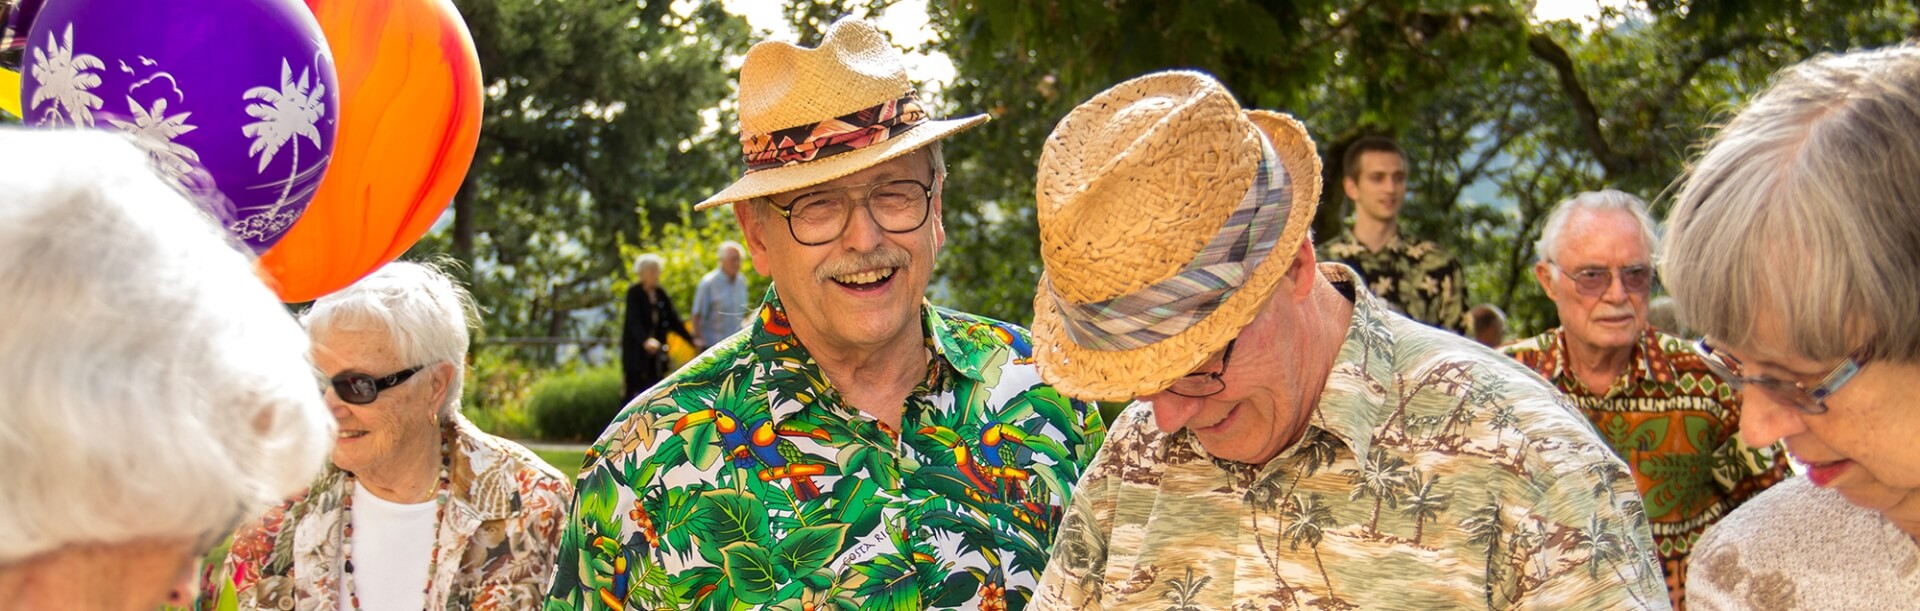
(1480, 96)
(575, 405)
(598, 112)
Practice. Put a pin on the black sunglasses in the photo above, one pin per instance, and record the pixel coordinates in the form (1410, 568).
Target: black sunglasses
(361, 389)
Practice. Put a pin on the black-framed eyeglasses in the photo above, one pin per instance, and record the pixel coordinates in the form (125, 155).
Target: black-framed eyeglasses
(1807, 400)
(1594, 281)
(1204, 384)
(819, 217)
(361, 389)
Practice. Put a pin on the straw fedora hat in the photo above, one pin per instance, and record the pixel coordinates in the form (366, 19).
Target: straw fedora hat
(808, 116)
(1145, 197)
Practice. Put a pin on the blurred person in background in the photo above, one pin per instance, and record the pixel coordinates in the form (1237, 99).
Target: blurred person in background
(1794, 249)
(157, 393)
(643, 334)
(720, 302)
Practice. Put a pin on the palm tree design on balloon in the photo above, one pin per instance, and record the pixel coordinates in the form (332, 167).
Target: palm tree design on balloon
(158, 129)
(285, 115)
(64, 78)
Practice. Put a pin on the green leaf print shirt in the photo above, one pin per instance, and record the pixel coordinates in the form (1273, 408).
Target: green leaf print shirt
(743, 481)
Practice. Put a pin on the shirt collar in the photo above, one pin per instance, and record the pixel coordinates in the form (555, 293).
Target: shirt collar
(1648, 363)
(786, 363)
(1393, 243)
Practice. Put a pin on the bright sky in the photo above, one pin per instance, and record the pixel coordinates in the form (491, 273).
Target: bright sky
(905, 22)
(1583, 12)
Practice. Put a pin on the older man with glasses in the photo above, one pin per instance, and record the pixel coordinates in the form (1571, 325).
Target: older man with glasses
(856, 447)
(1671, 414)
(1296, 443)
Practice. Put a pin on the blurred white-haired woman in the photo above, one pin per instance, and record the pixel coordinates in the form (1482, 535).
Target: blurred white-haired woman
(155, 392)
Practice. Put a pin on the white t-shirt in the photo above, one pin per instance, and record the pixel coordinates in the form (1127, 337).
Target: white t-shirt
(392, 544)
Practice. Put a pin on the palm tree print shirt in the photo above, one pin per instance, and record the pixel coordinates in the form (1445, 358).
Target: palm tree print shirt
(1419, 279)
(1676, 424)
(745, 482)
(1434, 474)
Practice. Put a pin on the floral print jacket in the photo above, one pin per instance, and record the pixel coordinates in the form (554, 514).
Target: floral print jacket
(497, 536)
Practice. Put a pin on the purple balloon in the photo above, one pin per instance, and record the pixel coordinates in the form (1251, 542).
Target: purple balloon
(235, 100)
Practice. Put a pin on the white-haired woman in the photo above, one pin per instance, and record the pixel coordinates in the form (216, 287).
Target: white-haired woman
(419, 509)
(1794, 247)
(155, 392)
(643, 336)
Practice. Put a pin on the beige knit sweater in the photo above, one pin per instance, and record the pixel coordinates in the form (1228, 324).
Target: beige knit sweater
(1798, 546)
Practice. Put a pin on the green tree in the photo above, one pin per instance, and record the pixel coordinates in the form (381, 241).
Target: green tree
(1422, 502)
(600, 113)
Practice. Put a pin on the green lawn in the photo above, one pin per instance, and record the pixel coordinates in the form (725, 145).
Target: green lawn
(567, 462)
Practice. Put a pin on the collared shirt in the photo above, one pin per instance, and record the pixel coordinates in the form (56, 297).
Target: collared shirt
(746, 477)
(1433, 474)
(496, 538)
(1677, 426)
(719, 305)
(1420, 280)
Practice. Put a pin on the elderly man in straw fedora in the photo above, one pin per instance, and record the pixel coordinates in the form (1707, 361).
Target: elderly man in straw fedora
(856, 447)
(1296, 443)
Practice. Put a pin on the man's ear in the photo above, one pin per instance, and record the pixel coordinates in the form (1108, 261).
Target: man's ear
(939, 228)
(1302, 272)
(1544, 273)
(1352, 187)
(750, 230)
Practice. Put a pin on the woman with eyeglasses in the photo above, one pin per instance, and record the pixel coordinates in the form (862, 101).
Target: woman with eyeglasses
(418, 509)
(153, 393)
(1794, 247)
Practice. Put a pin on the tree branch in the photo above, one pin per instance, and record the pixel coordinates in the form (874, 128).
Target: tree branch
(1585, 113)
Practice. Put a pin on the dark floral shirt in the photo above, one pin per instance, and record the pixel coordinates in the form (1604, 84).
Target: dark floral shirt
(745, 482)
(1677, 427)
(1420, 280)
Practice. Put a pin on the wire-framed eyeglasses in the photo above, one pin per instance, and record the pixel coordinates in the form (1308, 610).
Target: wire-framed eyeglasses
(1594, 281)
(1202, 384)
(819, 217)
(1808, 400)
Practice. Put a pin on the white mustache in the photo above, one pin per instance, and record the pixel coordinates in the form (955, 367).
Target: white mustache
(884, 258)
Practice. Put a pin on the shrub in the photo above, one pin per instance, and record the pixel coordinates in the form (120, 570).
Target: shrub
(575, 405)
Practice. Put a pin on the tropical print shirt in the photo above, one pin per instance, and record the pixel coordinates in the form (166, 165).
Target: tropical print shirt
(1420, 280)
(496, 536)
(744, 481)
(1677, 426)
(1433, 474)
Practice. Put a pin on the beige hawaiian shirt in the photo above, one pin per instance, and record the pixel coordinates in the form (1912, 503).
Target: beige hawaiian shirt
(1435, 474)
(497, 538)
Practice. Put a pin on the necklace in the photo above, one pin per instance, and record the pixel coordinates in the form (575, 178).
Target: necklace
(440, 510)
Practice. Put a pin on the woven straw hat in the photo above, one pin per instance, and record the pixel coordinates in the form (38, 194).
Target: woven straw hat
(808, 116)
(1140, 186)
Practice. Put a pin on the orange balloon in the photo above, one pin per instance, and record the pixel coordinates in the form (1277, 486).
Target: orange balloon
(409, 122)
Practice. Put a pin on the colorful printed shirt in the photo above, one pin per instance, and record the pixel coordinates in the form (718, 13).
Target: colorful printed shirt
(745, 482)
(1432, 475)
(1419, 280)
(496, 537)
(1676, 425)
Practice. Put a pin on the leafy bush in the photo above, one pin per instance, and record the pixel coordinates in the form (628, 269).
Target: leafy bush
(495, 394)
(575, 405)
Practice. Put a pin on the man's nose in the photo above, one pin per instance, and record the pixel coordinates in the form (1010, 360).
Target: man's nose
(1171, 412)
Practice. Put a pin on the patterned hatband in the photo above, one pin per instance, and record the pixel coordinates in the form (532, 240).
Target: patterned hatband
(851, 132)
(1170, 306)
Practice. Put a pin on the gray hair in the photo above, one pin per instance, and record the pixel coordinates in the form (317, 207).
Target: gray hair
(1806, 207)
(420, 307)
(156, 389)
(648, 261)
(721, 251)
(1596, 201)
